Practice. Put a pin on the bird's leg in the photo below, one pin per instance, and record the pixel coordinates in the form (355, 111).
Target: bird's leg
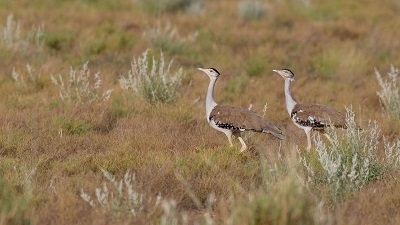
(244, 147)
(279, 150)
(308, 133)
(229, 135)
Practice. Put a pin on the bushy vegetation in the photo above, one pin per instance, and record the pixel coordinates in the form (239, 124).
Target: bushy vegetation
(326, 64)
(79, 88)
(31, 79)
(161, 6)
(125, 198)
(13, 37)
(167, 38)
(73, 152)
(283, 199)
(350, 161)
(390, 92)
(251, 10)
(13, 208)
(152, 79)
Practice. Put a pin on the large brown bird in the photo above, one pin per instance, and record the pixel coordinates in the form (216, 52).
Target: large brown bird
(309, 117)
(233, 120)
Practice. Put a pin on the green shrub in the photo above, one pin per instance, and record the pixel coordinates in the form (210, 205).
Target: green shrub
(59, 40)
(236, 87)
(30, 79)
(255, 67)
(325, 64)
(122, 196)
(161, 6)
(167, 38)
(73, 127)
(80, 88)
(351, 162)
(11, 36)
(286, 202)
(251, 10)
(152, 80)
(13, 208)
(390, 92)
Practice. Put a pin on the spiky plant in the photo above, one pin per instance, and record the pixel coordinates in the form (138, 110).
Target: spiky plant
(349, 161)
(152, 79)
(81, 88)
(390, 92)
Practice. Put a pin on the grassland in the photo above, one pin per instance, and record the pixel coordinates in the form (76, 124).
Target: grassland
(53, 149)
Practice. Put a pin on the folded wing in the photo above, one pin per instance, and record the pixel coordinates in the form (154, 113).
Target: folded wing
(317, 116)
(237, 118)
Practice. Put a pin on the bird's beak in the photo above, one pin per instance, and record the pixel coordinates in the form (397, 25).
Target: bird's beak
(201, 69)
(277, 71)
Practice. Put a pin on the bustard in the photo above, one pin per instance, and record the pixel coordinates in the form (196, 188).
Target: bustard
(309, 117)
(232, 120)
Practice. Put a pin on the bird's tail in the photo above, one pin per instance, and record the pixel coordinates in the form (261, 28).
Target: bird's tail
(278, 135)
(272, 129)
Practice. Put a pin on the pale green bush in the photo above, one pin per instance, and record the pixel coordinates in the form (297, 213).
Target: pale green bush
(12, 37)
(251, 10)
(350, 161)
(80, 88)
(167, 38)
(13, 207)
(392, 153)
(282, 201)
(161, 6)
(122, 196)
(152, 79)
(28, 79)
(390, 92)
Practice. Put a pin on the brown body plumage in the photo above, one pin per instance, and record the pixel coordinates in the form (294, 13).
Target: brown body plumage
(317, 116)
(241, 119)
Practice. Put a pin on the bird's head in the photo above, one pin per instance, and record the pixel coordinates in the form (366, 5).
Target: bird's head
(211, 72)
(286, 74)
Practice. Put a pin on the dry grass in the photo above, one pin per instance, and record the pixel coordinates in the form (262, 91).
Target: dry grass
(49, 150)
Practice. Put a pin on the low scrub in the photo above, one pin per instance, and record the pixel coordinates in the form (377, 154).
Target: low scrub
(350, 161)
(390, 92)
(81, 88)
(31, 79)
(251, 10)
(122, 197)
(12, 37)
(326, 63)
(167, 38)
(286, 201)
(152, 80)
(161, 6)
(13, 208)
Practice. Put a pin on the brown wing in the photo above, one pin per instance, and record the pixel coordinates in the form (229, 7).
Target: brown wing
(237, 118)
(317, 116)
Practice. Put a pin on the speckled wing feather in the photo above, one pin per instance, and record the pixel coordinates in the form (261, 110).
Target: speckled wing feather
(237, 118)
(317, 116)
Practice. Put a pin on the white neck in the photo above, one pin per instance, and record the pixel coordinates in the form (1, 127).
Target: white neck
(210, 103)
(290, 102)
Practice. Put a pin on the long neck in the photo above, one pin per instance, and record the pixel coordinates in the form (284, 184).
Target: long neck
(210, 103)
(290, 102)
